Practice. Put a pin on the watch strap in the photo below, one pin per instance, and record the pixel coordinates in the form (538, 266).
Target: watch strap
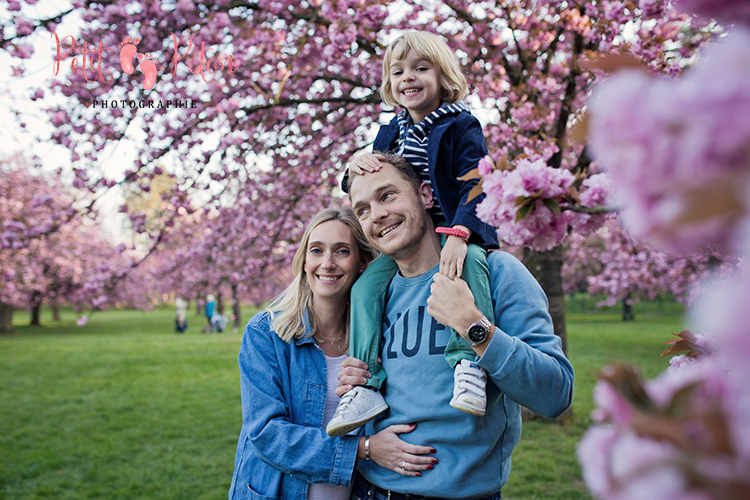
(485, 324)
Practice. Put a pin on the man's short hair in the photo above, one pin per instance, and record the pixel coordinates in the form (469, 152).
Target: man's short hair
(406, 169)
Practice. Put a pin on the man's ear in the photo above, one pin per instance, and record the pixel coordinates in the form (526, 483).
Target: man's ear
(425, 192)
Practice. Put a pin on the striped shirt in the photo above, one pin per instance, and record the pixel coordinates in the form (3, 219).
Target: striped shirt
(412, 141)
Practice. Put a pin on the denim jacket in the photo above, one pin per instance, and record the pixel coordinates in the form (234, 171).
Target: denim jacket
(454, 147)
(283, 446)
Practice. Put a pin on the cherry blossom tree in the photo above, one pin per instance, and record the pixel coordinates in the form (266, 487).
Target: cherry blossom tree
(686, 434)
(49, 252)
(612, 264)
(534, 74)
(266, 100)
(207, 253)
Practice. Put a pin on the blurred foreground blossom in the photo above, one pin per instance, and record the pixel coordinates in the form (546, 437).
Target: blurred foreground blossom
(726, 11)
(679, 436)
(678, 150)
(82, 321)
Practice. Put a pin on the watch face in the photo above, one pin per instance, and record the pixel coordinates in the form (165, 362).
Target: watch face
(477, 333)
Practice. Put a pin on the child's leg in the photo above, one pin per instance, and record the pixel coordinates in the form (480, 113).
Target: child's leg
(476, 274)
(367, 304)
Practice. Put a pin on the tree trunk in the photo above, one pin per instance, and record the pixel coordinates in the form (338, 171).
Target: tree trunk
(55, 313)
(547, 269)
(220, 303)
(236, 307)
(6, 318)
(36, 307)
(627, 310)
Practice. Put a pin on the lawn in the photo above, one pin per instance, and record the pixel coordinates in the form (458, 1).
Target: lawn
(123, 408)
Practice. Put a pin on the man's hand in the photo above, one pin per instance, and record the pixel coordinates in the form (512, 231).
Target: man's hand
(365, 162)
(352, 372)
(452, 257)
(452, 304)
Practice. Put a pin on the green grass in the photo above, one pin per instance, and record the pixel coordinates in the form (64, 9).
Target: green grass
(126, 409)
(544, 463)
(120, 409)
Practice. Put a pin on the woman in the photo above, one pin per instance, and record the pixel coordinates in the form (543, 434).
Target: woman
(289, 361)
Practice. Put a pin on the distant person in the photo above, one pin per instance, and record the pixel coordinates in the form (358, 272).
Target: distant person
(289, 359)
(180, 315)
(219, 322)
(209, 311)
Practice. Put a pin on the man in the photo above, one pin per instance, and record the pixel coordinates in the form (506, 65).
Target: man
(521, 355)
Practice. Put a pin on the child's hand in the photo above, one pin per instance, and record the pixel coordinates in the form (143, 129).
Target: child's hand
(365, 162)
(452, 257)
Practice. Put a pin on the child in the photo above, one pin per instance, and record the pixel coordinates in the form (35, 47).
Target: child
(444, 141)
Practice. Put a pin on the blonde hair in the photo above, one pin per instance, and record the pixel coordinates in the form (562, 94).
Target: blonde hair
(435, 50)
(287, 310)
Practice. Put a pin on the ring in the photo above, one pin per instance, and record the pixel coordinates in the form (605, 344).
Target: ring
(403, 465)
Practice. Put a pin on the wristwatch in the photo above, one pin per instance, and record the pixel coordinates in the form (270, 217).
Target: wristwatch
(478, 332)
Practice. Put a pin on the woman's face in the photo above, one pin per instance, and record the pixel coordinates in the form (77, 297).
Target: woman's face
(332, 261)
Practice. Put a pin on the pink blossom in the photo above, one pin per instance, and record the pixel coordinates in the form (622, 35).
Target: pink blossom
(598, 190)
(611, 405)
(724, 309)
(673, 147)
(24, 27)
(634, 457)
(485, 166)
(725, 11)
(594, 453)
(82, 321)
(185, 6)
(537, 187)
(24, 50)
(651, 8)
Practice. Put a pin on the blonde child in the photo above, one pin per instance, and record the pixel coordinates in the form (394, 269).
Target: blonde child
(444, 141)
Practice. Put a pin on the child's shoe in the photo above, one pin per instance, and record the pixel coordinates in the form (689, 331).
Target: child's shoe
(356, 408)
(469, 393)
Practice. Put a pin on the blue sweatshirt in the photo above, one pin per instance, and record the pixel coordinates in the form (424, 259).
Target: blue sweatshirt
(525, 365)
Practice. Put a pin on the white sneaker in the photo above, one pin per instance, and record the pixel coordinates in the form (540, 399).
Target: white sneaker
(356, 408)
(469, 393)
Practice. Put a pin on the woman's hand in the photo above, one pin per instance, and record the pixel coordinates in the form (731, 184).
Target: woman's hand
(389, 451)
(366, 162)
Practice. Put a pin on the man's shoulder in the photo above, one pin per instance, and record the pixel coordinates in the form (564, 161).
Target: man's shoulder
(508, 275)
(500, 259)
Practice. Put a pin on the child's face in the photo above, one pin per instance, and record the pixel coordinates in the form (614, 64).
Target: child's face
(415, 83)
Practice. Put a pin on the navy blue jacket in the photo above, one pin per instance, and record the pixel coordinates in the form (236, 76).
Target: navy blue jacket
(455, 146)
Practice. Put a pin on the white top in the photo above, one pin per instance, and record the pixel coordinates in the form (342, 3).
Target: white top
(317, 491)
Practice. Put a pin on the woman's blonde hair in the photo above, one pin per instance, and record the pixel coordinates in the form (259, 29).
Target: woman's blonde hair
(435, 50)
(288, 308)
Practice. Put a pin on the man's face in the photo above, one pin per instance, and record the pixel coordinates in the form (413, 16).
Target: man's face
(392, 214)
